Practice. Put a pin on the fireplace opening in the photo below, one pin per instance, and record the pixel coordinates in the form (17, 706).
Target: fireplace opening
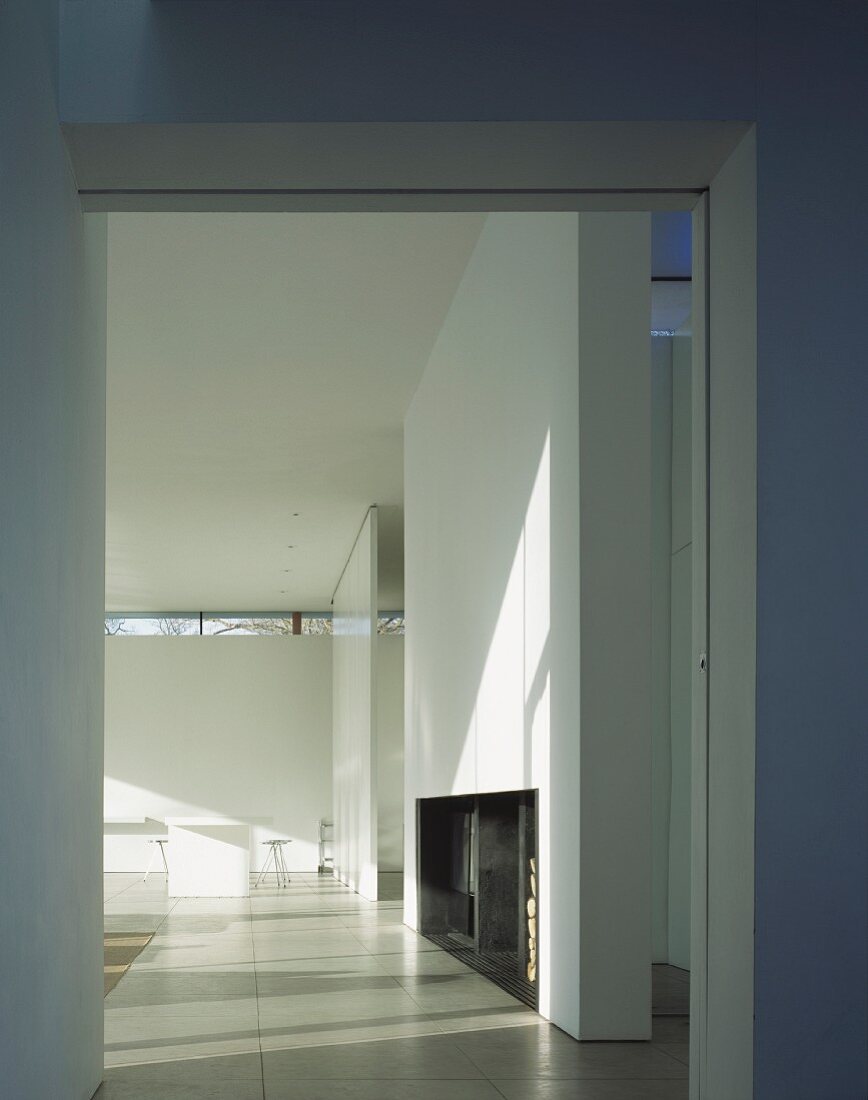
(478, 884)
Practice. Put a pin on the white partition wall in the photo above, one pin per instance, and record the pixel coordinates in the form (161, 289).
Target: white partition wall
(354, 709)
(234, 727)
(613, 767)
(527, 496)
(671, 567)
(681, 663)
(390, 752)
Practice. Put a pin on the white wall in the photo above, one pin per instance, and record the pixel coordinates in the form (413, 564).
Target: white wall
(493, 604)
(227, 725)
(614, 507)
(732, 643)
(354, 666)
(390, 752)
(661, 556)
(52, 458)
(671, 562)
(681, 661)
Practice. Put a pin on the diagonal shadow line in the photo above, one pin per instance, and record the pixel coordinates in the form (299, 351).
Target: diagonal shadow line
(298, 984)
(319, 1028)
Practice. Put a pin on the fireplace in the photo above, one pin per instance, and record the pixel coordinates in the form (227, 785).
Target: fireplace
(478, 884)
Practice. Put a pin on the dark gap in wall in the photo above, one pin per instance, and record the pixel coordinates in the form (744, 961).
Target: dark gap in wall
(478, 884)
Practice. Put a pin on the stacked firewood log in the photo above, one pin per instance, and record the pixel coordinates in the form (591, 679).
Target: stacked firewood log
(531, 925)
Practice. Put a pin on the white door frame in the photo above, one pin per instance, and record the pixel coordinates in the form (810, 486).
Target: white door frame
(714, 1027)
(699, 652)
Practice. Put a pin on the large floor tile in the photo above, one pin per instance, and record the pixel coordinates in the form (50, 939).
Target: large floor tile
(211, 906)
(591, 1090)
(276, 921)
(679, 1051)
(451, 1021)
(376, 919)
(382, 1090)
(412, 963)
(211, 938)
(142, 1028)
(232, 924)
(145, 1039)
(124, 1089)
(130, 907)
(232, 1077)
(313, 992)
(336, 1034)
(388, 939)
(277, 946)
(163, 1006)
(339, 1006)
(165, 956)
(432, 1057)
(229, 980)
(302, 988)
(670, 1029)
(458, 989)
(123, 922)
(275, 974)
(547, 1052)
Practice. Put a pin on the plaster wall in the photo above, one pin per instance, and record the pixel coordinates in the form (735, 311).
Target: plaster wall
(731, 679)
(671, 647)
(447, 61)
(661, 741)
(52, 500)
(495, 705)
(197, 726)
(354, 715)
(680, 561)
(811, 610)
(390, 752)
(193, 729)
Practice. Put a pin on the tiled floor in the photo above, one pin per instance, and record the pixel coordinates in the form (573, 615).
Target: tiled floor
(315, 994)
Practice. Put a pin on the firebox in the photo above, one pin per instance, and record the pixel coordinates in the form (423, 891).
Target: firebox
(478, 884)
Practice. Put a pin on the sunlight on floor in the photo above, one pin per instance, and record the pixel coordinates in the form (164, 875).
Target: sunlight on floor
(312, 992)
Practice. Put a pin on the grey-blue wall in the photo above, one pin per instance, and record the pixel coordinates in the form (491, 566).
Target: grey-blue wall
(52, 504)
(389, 60)
(811, 981)
(798, 68)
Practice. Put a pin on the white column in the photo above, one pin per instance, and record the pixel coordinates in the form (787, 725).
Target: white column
(601, 764)
(355, 715)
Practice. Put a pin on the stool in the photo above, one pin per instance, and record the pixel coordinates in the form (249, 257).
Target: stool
(161, 844)
(275, 856)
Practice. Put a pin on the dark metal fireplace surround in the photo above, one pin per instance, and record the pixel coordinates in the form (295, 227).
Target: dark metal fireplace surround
(478, 884)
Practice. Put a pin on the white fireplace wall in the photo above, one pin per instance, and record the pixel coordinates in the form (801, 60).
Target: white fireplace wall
(492, 500)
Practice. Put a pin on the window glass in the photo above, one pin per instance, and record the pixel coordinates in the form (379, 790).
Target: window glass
(170, 626)
(247, 624)
(175, 625)
(316, 624)
(390, 624)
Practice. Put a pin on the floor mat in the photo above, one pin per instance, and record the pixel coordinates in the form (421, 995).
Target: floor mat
(120, 950)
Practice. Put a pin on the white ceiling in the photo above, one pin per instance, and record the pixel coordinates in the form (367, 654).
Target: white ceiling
(259, 370)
